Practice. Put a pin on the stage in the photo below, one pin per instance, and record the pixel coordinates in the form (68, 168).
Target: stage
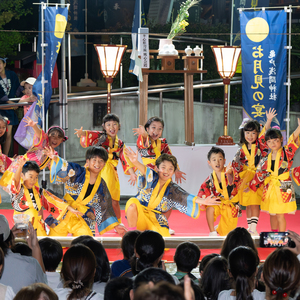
(186, 229)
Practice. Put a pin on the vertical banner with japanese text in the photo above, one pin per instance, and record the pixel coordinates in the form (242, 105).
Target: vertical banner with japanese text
(263, 41)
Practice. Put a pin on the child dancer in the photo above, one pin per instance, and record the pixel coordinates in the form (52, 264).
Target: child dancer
(158, 194)
(151, 145)
(109, 140)
(245, 162)
(86, 191)
(28, 198)
(54, 137)
(273, 171)
(220, 184)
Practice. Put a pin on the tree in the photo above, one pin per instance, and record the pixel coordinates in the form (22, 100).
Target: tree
(10, 12)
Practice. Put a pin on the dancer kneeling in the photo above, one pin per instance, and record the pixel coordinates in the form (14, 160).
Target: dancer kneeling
(158, 194)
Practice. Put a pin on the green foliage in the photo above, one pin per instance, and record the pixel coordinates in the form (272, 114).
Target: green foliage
(11, 10)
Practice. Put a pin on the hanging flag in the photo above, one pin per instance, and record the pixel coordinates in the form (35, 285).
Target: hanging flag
(264, 59)
(55, 25)
(138, 20)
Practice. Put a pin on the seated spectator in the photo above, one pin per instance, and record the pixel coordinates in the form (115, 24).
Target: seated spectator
(154, 275)
(281, 273)
(204, 261)
(52, 254)
(6, 292)
(20, 270)
(149, 249)
(81, 239)
(118, 288)
(36, 291)
(237, 237)
(77, 272)
(102, 265)
(242, 266)
(215, 278)
(22, 248)
(120, 268)
(186, 258)
(161, 291)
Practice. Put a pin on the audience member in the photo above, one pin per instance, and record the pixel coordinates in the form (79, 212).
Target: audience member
(186, 258)
(148, 251)
(36, 291)
(259, 281)
(118, 289)
(242, 266)
(161, 291)
(80, 239)
(281, 273)
(196, 288)
(20, 270)
(6, 292)
(22, 248)
(205, 260)
(215, 278)
(120, 268)
(237, 237)
(52, 254)
(77, 272)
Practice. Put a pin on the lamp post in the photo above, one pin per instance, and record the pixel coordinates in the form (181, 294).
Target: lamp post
(226, 59)
(110, 57)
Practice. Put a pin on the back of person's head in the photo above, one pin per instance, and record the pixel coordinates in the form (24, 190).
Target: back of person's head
(22, 248)
(149, 248)
(78, 269)
(30, 166)
(242, 264)
(36, 291)
(81, 239)
(103, 267)
(6, 235)
(154, 275)
(215, 150)
(52, 253)
(187, 256)
(205, 260)
(237, 237)
(128, 241)
(118, 289)
(196, 288)
(215, 278)
(281, 273)
(161, 291)
(96, 151)
(259, 283)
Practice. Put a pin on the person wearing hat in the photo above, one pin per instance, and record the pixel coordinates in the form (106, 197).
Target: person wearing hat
(20, 270)
(27, 90)
(9, 83)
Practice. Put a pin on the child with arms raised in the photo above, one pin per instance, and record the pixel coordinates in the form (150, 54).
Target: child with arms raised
(158, 194)
(273, 173)
(223, 185)
(245, 162)
(109, 140)
(28, 198)
(86, 191)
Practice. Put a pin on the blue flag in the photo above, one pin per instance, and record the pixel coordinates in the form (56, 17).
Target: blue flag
(138, 19)
(263, 36)
(55, 25)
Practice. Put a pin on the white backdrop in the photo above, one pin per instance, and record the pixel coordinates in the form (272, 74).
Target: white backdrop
(191, 160)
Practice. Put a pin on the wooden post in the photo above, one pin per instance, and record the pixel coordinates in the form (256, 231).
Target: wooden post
(143, 105)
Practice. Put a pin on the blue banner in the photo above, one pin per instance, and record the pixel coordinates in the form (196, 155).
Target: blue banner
(263, 41)
(55, 25)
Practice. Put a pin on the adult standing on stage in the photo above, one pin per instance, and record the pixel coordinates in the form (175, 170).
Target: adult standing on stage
(9, 83)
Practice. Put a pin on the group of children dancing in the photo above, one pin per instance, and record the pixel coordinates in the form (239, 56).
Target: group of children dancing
(258, 176)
